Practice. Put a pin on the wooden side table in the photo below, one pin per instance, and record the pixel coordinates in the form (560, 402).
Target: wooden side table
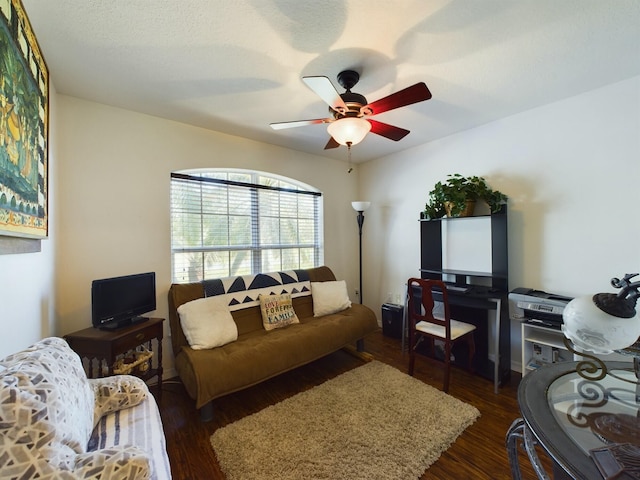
(101, 347)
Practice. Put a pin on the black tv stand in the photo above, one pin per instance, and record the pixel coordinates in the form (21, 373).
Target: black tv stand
(123, 323)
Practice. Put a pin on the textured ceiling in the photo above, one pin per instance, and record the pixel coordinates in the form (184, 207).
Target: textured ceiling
(236, 65)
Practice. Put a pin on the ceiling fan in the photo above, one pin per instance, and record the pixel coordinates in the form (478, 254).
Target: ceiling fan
(350, 112)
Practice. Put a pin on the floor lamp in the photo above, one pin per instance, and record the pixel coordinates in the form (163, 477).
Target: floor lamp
(360, 207)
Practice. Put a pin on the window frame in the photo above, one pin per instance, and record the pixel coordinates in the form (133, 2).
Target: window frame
(256, 248)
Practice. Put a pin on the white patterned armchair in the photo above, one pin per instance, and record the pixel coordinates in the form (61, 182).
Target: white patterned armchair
(56, 423)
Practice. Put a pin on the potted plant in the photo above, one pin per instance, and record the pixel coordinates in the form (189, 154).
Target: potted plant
(456, 197)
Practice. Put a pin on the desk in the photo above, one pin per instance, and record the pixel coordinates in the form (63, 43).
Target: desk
(568, 416)
(493, 363)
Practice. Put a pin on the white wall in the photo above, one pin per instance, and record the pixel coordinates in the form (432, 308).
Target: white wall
(571, 169)
(572, 172)
(26, 280)
(113, 197)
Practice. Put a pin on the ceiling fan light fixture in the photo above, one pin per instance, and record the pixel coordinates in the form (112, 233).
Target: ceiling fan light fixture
(349, 130)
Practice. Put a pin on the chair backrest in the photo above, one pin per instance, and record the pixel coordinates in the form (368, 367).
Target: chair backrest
(422, 303)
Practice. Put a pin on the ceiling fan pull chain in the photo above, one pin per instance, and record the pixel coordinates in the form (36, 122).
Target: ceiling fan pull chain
(349, 150)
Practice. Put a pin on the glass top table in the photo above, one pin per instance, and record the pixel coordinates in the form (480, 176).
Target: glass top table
(570, 416)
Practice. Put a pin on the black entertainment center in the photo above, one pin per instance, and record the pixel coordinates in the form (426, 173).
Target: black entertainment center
(452, 250)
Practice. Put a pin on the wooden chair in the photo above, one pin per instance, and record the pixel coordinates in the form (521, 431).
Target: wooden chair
(425, 323)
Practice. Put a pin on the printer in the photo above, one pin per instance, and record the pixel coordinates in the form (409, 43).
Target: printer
(537, 307)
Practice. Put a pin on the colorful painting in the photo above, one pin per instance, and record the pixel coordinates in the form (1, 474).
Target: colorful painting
(24, 125)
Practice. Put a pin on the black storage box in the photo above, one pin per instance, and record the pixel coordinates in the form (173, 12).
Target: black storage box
(392, 320)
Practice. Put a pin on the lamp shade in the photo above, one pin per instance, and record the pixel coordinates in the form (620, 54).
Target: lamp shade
(360, 206)
(590, 328)
(349, 130)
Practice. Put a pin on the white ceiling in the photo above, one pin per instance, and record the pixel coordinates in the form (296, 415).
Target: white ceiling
(236, 65)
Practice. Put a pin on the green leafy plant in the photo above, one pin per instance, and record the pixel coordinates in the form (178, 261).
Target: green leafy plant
(451, 197)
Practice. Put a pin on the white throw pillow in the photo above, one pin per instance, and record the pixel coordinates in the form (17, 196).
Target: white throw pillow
(207, 323)
(329, 297)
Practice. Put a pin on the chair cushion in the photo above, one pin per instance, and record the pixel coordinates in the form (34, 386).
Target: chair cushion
(458, 329)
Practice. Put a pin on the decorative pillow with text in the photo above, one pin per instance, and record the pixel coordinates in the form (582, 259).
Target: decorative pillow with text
(277, 311)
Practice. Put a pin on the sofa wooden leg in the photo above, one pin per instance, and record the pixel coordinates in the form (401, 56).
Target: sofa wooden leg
(358, 351)
(206, 412)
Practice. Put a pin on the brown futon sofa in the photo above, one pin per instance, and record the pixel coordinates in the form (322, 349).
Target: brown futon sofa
(259, 354)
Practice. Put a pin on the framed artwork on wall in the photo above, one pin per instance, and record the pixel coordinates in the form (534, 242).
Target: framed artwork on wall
(24, 127)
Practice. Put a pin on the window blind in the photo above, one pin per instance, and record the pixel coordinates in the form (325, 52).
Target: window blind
(226, 223)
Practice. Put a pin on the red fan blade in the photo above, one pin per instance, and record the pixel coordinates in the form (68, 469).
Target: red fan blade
(331, 144)
(326, 91)
(298, 123)
(388, 131)
(414, 94)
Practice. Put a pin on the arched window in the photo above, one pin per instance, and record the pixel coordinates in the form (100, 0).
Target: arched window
(237, 222)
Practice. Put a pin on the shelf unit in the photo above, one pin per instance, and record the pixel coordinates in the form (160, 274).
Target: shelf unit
(549, 343)
(432, 251)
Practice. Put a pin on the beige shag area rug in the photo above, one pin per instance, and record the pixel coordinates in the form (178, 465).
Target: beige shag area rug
(373, 422)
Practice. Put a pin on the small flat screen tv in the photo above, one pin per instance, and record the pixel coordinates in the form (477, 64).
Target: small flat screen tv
(119, 301)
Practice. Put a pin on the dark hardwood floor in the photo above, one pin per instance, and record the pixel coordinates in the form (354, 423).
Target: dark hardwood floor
(479, 453)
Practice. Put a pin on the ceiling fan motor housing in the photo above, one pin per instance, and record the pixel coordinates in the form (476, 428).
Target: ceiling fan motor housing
(354, 102)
